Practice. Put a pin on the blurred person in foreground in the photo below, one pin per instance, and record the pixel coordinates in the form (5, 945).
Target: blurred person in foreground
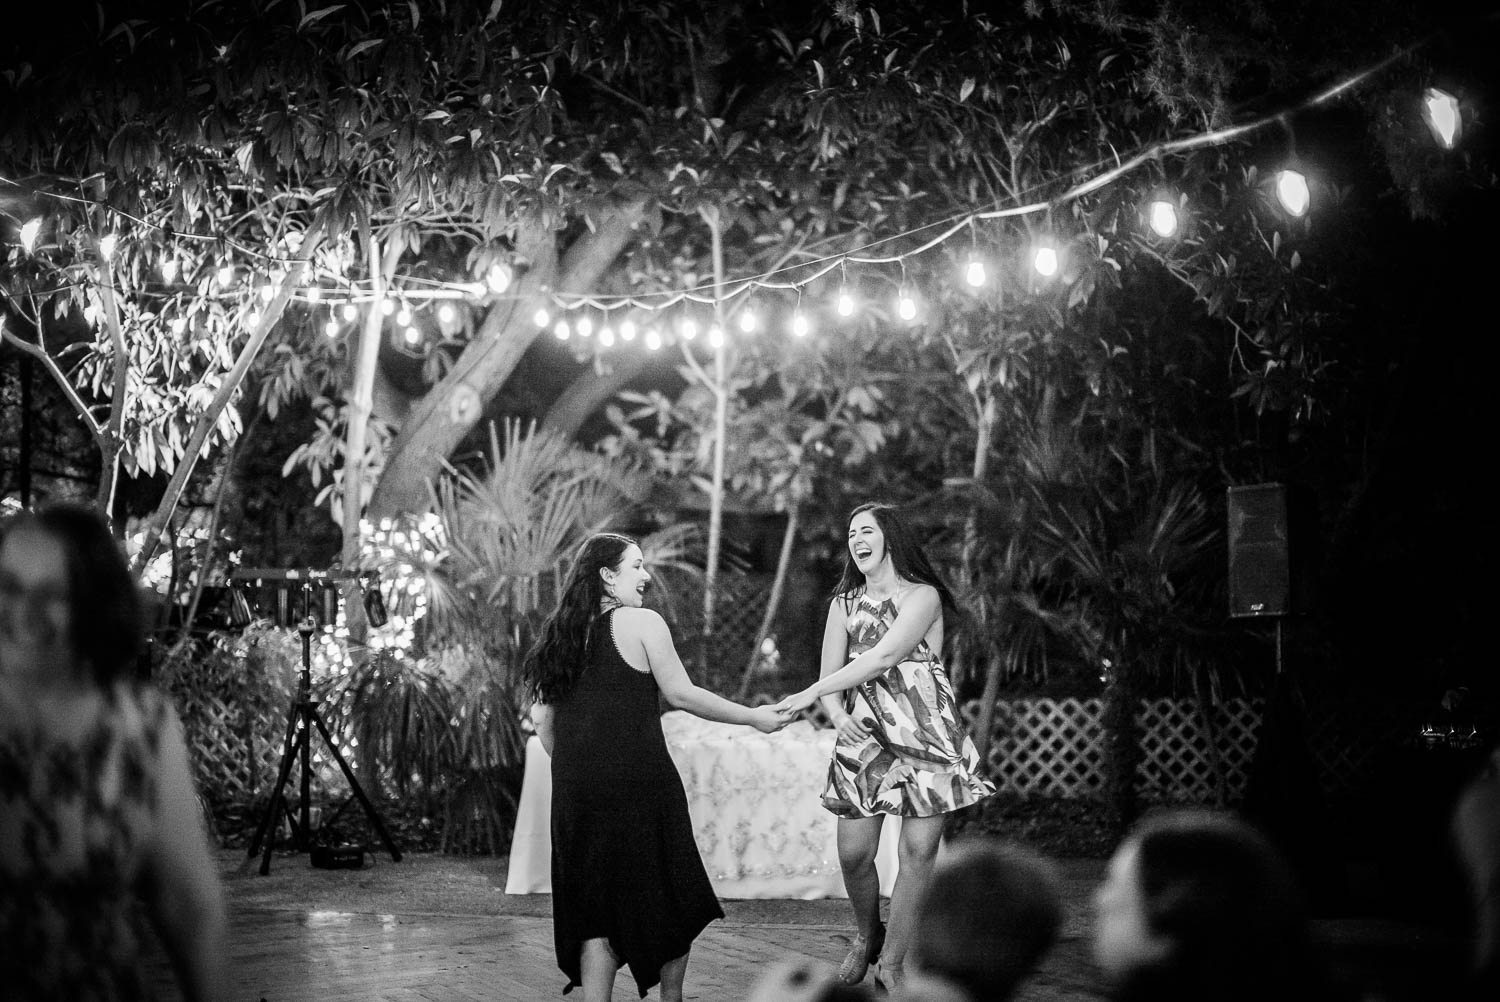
(990, 913)
(1199, 905)
(98, 812)
(804, 981)
(1476, 835)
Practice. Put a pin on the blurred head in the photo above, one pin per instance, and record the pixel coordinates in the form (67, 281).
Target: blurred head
(878, 533)
(1205, 899)
(800, 981)
(1476, 836)
(597, 569)
(988, 915)
(68, 605)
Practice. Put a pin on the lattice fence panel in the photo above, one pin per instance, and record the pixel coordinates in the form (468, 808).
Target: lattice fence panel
(1185, 758)
(1045, 747)
(235, 753)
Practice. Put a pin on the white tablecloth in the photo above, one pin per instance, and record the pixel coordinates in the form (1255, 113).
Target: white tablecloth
(754, 803)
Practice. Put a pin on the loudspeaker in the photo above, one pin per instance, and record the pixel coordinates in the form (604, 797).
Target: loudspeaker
(1270, 529)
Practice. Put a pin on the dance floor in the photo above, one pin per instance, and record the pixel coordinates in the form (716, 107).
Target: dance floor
(438, 927)
(434, 927)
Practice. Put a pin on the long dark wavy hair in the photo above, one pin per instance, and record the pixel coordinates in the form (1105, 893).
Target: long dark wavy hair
(106, 625)
(558, 657)
(907, 556)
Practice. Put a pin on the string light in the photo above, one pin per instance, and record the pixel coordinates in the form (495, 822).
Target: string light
(403, 316)
(107, 246)
(627, 330)
(350, 311)
(541, 317)
(845, 302)
(715, 336)
(584, 327)
(748, 321)
(387, 307)
(1045, 261)
(1440, 112)
(413, 336)
(653, 339)
(169, 270)
(974, 273)
(225, 274)
(906, 307)
(1291, 191)
(446, 313)
(331, 329)
(606, 336)
(688, 329)
(800, 324)
(1162, 217)
(498, 277)
(563, 330)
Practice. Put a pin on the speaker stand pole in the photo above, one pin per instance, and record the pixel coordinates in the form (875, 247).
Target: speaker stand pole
(1278, 645)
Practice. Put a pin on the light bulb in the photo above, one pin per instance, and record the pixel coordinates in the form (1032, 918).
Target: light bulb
(1291, 191)
(314, 294)
(445, 313)
(846, 303)
(387, 307)
(350, 311)
(688, 328)
(606, 336)
(226, 274)
(563, 330)
(541, 317)
(403, 317)
(653, 339)
(498, 277)
(30, 230)
(1440, 112)
(748, 321)
(974, 274)
(331, 328)
(179, 324)
(627, 330)
(1045, 261)
(253, 319)
(169, 269)
(107, 246)
(413, 336)
(1163, 217)
(585, 326)
(266, 292)
(716, 335)
(800, 325)
(906, 307)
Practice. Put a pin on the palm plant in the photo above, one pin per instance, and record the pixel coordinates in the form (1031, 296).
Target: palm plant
(448, 723)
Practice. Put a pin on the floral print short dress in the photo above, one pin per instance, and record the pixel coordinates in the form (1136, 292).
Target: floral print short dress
(917, 760)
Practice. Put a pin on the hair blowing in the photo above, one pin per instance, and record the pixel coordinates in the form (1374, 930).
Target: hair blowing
(560, 653)
(907, 556)
(105, 627)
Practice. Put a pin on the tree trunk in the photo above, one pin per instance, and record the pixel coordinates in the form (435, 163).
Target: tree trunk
(436, 425)
(1122, 748)
(721, 421)
(778, 584)
(589, 391)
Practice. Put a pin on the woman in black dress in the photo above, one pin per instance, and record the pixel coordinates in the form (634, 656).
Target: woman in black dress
(628, 884)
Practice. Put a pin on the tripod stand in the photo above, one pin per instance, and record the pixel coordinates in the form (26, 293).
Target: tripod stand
(300, 721)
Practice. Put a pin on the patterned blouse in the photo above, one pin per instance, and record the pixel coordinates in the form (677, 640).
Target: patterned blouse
(78, 799)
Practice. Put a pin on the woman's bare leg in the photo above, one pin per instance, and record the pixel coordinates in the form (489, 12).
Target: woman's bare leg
(598, 967)
(915, 854)
(672, 974)
(859, 839)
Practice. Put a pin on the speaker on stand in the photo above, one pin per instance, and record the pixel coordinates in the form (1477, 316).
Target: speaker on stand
(1270, 530)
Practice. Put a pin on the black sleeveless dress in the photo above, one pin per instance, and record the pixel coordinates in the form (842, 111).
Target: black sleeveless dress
(625, 866)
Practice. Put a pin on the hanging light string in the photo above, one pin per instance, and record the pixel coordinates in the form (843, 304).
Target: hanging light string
(421, 290)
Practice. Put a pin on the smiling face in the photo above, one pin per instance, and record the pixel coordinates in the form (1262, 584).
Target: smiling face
(626, 582)
(35, 611)
(866, 543)
(1123, 937)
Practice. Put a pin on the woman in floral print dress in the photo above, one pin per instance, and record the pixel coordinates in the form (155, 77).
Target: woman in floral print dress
(901, 748)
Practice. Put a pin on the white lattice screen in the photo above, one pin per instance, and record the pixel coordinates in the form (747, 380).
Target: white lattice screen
(1040, 747)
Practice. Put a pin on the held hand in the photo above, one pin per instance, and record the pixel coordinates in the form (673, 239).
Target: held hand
(797, 702)
(766, 720)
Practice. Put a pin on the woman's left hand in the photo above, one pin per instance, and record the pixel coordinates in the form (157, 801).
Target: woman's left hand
(797, 702)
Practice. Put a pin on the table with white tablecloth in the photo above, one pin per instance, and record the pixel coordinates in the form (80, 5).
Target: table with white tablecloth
(753, 798)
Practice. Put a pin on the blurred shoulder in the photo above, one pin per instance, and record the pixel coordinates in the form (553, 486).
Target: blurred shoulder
(639, 622)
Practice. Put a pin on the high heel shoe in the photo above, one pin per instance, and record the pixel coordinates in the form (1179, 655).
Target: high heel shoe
(862, 953)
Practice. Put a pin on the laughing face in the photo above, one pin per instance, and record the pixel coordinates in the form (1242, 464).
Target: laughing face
(626, 582)
(866, 542)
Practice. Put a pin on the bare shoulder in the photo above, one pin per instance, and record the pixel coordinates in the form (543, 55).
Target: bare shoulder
(642, 622)
(918, 596)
